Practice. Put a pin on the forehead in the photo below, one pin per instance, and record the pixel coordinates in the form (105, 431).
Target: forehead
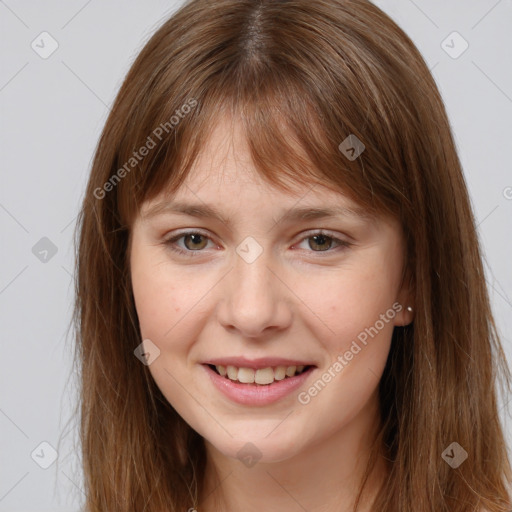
(224, 172)
(228, 200)
(228, 190)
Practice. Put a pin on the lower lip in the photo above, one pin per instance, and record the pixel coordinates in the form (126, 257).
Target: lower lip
(256, 394)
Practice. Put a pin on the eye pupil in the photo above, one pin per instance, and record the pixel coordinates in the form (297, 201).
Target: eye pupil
(322, 238)
(195, 237)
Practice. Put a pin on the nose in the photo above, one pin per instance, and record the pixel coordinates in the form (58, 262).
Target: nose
(255, 298)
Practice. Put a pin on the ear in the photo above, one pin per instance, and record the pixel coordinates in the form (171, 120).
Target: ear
(405, 298)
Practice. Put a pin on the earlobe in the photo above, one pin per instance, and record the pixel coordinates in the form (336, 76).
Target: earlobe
(405, 316)
(409, 310)
(406, 300)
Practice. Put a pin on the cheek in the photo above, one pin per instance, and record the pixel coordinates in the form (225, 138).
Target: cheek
(354, 320)
(159, 307)
(354, 314)
(161, 297)
(352, 299)
(167, 305)
(155, 299)
(170, 305)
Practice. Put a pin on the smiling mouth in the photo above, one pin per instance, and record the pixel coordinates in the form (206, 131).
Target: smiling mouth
(262, 376)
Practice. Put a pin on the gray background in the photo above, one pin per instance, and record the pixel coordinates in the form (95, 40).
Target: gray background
(52, 112)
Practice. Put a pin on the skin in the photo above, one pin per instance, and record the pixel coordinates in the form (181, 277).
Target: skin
(295, 300)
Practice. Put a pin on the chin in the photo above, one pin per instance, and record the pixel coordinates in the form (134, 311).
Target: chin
(251, 450)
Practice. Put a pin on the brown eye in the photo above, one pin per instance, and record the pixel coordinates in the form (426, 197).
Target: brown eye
(190, 243)
(195, 241)
(321, 242)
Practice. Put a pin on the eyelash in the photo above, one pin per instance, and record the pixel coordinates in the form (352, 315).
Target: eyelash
(171, 242)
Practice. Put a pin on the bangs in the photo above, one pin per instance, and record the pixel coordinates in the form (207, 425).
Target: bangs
(291, 141)
(299, 105)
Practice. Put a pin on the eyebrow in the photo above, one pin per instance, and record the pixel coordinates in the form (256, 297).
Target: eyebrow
(202, 210)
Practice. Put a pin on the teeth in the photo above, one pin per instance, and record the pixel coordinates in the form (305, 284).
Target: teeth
(232, 372)
(290, 371)
(280, 373)
(264, 376)
(246, 375)
(261, 376)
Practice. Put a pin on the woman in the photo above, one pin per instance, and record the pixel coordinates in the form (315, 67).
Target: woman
(281, 303)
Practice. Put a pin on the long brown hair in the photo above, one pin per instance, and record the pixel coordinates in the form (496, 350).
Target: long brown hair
(301, 75)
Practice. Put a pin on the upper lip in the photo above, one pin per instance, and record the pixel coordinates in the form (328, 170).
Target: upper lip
(263, 362)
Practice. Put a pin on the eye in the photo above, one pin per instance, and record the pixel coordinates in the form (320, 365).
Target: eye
(321, 241)
(194, 242)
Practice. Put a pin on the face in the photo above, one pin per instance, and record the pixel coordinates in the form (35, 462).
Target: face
(269, 292)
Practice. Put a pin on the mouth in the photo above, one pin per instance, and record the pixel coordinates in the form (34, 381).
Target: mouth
(258, 386)
(261, 376)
